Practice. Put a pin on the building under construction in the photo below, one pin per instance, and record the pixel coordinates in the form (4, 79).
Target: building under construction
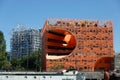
(24, 41)
(85, 45)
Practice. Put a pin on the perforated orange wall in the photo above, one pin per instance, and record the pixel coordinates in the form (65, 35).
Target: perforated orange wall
(79, 44)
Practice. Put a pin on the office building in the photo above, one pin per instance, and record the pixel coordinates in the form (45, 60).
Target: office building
(25, 41)
(85, 45)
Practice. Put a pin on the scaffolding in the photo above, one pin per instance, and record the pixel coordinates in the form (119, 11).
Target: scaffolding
(24, 41)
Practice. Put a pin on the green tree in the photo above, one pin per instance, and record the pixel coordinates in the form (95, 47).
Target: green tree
(6, 65)
(20, 68)
(15, 63)
(31, 62)
(23, 62)
(3, 55)
(2, 43)
(35, 60)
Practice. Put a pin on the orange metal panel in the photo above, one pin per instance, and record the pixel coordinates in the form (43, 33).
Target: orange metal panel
(89, 41)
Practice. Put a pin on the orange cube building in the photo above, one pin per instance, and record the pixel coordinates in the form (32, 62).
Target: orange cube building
(85, 45)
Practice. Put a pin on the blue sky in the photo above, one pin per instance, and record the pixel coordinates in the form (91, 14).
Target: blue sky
(34, 13)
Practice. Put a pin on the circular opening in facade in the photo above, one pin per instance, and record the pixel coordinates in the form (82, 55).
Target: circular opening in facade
(59, 43)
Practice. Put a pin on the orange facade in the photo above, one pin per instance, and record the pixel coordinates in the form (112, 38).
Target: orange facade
(85, 45)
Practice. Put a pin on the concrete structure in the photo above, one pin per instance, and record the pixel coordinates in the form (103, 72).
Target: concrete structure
(50, 76)
(85, 45)
(117, 61)
(35, 76)
(24, 41)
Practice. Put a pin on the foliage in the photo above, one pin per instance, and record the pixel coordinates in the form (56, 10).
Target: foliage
(51, 24)
(2, 44)
(3, 56)
(20, 68)
(14, 63)
(86, 22)
(23, 62)
(6, 65)
(35, 60)
(32, 62)
(57, 66)
(83, 24)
